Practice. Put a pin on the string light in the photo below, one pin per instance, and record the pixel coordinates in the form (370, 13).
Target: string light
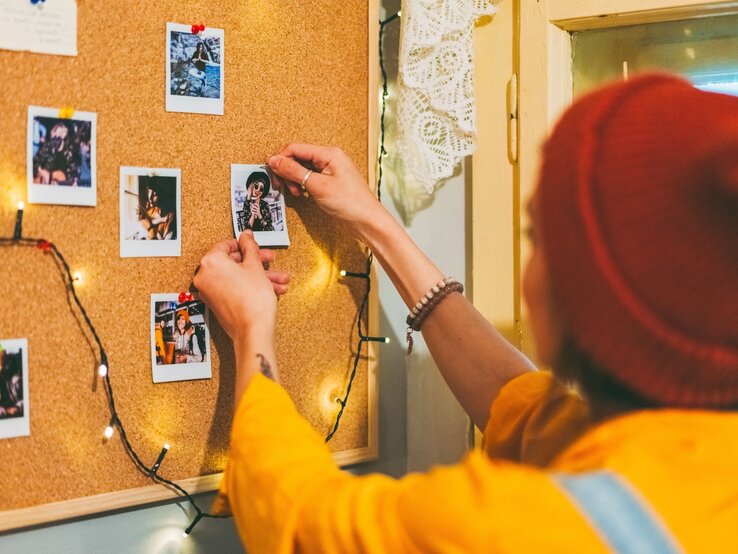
(103, 368)
(385, 94)
(110, 429)
(115, 420)
(329, 403)
(160, 459)
(18, 231)
(195, 521)
(345, 273)
(366, 274)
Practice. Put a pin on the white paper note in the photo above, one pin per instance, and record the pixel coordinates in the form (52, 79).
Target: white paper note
(48, 27)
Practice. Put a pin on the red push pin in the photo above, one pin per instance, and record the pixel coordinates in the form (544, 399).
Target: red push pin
(197, 28)
(44, 245)
(185, 297)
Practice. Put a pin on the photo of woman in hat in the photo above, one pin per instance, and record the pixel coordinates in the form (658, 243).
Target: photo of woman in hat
(186, 345)
(256, 214)
(180, 340)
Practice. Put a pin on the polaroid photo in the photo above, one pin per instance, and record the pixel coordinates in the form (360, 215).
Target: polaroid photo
(180, 338)
(61, 164)
(150, 212)
(14, 411)
(195, 65)
(257, 205)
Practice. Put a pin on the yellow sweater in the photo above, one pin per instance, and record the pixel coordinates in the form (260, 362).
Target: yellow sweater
(287, 495)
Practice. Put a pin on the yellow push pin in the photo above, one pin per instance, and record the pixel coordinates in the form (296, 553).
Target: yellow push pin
(66, 112)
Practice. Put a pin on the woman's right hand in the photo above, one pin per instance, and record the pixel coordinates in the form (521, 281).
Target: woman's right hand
(232, 281)
(336, 184)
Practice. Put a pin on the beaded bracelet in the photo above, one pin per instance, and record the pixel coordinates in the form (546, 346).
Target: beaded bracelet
(425, 306)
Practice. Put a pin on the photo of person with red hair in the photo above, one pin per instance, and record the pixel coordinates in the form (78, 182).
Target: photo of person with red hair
(180, 340)
(186, 346)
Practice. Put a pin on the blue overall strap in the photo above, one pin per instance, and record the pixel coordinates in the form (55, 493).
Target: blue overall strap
(622, 518)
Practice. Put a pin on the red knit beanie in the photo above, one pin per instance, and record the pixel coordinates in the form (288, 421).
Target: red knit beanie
(638, 198)
(183, 313)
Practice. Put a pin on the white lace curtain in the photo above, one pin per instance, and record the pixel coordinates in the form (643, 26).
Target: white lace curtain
(436, 114)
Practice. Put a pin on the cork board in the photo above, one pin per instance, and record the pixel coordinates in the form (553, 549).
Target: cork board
(294, 71)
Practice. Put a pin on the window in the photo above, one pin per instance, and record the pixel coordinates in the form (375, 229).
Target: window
(705, 50)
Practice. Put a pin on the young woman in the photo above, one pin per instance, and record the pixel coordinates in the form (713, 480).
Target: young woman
(633, 295)
(157, 223)
(11, 386)
(56, 162)
(255, 214)
(186, 346)
(200, 58)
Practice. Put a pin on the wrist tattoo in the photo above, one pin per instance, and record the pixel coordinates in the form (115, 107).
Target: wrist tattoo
(266, 369)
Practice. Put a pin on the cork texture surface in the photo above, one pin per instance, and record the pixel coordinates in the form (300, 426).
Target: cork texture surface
(293, 71)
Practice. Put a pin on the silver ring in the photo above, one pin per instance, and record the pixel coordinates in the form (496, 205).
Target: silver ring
(305, 179)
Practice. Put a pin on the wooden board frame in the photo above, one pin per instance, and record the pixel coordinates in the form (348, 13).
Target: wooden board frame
(141, 496)
(577, 15)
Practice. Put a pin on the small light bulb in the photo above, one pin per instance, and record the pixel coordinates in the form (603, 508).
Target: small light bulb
(399, 14)
(21, 205)
(166, 446)
(108, 432)
(330, 399)
(343, 273)
(184, 535)
(102, 371)
(386, 340)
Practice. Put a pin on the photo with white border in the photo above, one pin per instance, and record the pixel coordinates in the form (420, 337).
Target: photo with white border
(257, 205)
(61, 157)
(150, 212)
(14, 409)
(195, 69)
(180, 338)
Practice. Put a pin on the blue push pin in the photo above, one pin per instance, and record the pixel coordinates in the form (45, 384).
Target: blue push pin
(34, 2)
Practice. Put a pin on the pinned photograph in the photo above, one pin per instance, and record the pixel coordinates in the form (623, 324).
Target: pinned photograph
(258, 206)
(194, 69)
(180, 339)
(150, 208)
(14, 418)
(61, 157)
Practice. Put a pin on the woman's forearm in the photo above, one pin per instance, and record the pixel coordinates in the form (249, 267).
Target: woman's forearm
(254, 354)
(474, 359)
(410, 270)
